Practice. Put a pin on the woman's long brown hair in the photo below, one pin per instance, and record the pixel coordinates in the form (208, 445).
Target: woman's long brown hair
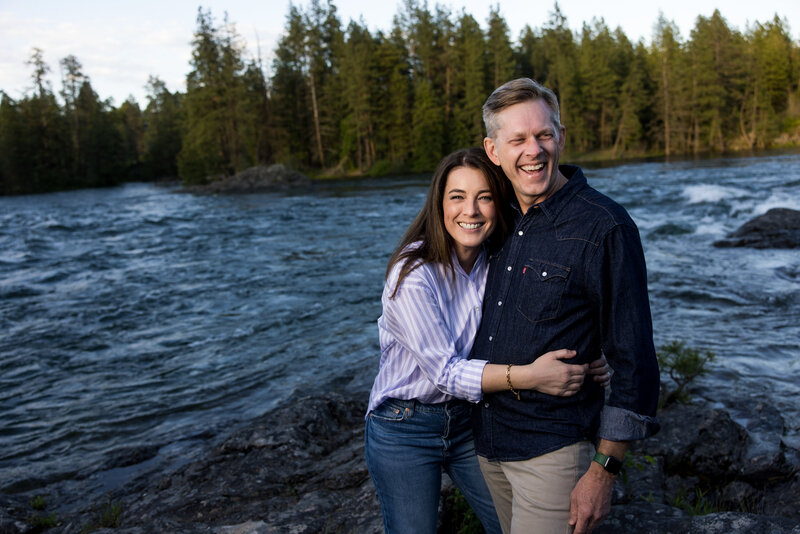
(428, 226)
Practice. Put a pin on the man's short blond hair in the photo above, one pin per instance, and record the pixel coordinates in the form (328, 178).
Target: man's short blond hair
(516, 92)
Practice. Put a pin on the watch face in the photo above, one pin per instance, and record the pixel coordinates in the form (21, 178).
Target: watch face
(609, 463)
(613, 465)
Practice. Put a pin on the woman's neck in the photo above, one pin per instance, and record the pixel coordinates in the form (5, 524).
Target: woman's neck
(467, 257)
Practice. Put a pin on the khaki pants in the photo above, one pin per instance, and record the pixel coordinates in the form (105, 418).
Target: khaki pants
(532, 496)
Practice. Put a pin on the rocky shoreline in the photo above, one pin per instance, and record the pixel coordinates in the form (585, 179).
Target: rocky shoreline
(300, 469)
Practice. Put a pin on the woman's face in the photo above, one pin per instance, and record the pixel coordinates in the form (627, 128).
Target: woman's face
(469, 210)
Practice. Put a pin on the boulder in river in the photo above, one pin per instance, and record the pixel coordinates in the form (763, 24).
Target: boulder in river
(777, 228)
(254, 180)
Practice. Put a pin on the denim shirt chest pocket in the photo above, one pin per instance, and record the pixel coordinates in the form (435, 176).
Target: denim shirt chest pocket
(543, 285)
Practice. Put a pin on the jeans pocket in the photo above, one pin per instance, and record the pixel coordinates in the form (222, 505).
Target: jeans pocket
(390, 410)
(543, 285)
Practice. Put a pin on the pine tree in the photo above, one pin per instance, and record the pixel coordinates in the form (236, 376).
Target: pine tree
(10, 128)
(501, 55)
(600, 112)
(72, 80)
(323, 45)
(425, 48)
(769, 61)
(292, 117)
(358, 73)
(531, 59)
(427, 127)
(560, 49)
(471, 87)
(671, 97)
(102, 158)
(42, 143)
(130, 125)
(306, 87)
(716, 55)
(255, 116)
(162, 137)
(392, 97)
(211, 144)
(635, 97)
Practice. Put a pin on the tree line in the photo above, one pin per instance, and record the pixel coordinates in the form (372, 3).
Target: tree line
(348, 100)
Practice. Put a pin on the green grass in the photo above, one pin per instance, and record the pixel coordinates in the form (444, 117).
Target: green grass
(38, 503)
(457, 516)
(41, 522)
(693, 503)
(107, 515)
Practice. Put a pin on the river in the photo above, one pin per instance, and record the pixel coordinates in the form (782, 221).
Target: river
(139, 317)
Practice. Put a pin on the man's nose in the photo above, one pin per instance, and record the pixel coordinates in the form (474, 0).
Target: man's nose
(532, 147)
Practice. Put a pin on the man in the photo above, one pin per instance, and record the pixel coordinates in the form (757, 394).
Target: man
(571, 275)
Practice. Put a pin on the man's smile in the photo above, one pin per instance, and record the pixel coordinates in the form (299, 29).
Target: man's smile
(533, 167)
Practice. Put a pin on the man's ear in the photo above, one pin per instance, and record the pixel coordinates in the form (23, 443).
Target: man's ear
(491, 150)
(562, 137)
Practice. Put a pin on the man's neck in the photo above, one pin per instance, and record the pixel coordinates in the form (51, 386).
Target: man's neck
(559, 182)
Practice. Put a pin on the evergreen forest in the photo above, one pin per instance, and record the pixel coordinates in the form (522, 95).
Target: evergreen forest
(343, 100)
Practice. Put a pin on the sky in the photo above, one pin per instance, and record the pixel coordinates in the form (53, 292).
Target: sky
(121, 43)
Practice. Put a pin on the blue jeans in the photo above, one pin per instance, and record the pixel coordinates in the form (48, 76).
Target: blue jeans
(408, 444)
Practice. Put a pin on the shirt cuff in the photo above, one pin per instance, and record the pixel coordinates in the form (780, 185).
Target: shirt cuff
(471, 376)
(619, 424)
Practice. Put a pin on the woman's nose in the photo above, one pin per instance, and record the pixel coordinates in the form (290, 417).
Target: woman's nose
(471, 208)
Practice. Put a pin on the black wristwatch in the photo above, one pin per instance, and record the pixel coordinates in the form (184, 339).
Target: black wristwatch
(609, 463)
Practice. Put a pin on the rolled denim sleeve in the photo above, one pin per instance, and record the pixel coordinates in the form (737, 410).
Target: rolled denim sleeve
(619, 424)
(627, 338)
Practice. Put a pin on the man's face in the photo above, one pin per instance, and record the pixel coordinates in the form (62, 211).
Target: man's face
(527, 146)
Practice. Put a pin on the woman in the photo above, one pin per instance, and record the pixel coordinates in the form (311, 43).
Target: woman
(431, 312)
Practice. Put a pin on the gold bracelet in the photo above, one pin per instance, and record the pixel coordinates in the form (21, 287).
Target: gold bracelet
(508, 381)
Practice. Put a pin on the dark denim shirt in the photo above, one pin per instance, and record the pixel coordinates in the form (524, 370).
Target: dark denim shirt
(571, 275)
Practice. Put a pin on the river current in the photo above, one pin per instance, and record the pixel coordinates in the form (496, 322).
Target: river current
(137, 317)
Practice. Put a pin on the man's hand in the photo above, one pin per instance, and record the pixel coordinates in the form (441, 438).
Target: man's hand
(590, 500)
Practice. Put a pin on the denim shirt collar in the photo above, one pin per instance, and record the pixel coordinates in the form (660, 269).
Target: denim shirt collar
(552, 206)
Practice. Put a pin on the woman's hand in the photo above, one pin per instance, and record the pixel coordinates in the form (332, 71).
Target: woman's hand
(548, 374)
(600, 371)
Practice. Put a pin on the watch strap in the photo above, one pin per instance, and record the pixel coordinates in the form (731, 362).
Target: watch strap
(609, 463)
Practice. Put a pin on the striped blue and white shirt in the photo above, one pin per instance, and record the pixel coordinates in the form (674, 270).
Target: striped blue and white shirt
(426, 333)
